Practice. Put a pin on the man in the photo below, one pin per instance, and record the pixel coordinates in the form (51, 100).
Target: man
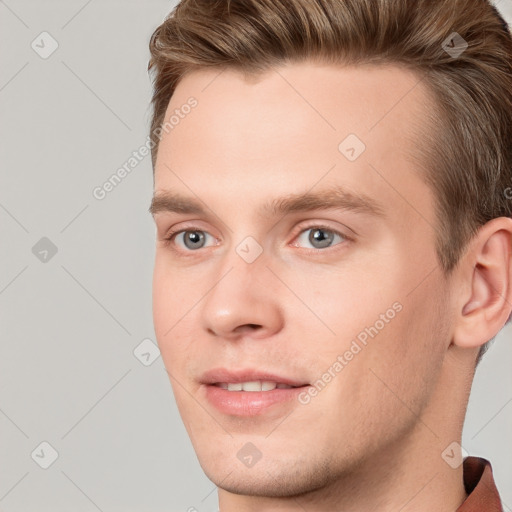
(333, 211)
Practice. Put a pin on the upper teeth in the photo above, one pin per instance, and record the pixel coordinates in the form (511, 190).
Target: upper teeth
(256, 385)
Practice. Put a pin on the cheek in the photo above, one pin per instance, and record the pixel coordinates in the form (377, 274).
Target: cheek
(343, 303)
(162, 300)
(404, 360)
(169, 299)
(173, 295)
(393, 374)
(393, 333)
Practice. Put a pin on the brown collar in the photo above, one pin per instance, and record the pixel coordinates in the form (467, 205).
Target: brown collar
(479, 484)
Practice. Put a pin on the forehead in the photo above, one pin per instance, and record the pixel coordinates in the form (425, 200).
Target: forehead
(293, 127)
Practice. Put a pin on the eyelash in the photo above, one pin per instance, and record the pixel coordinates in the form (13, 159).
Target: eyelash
(171, 235)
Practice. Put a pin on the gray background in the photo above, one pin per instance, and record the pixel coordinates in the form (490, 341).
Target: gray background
(70, 324)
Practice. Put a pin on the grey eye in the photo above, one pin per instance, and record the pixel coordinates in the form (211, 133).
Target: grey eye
(320, 238)
(193, 239)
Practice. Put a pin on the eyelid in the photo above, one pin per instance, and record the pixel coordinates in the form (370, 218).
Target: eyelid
(186, 226)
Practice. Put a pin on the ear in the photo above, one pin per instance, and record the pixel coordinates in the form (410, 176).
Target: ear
(485, 280)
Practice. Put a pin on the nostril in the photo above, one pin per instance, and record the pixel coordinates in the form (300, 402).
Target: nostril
(248, 327)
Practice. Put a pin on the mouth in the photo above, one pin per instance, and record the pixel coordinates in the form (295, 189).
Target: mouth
(249, 380)
(250, 392)
(253, 386)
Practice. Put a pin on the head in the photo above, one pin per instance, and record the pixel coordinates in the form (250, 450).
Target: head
(344, 171)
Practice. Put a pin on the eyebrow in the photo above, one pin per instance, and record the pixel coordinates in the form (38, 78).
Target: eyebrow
(332, 198)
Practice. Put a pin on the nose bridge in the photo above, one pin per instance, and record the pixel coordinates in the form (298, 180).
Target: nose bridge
(239, 296)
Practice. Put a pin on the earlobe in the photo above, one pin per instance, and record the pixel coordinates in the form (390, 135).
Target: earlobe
(487, 273)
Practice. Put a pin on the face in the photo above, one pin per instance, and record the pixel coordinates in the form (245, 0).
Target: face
(295, 247)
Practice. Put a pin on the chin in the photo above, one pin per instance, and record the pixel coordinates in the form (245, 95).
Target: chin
(271, 479)
(262, 485)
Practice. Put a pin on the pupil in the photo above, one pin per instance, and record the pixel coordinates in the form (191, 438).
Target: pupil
(318, 238)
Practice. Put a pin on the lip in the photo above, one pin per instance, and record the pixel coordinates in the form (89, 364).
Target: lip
(250, 403)
(216, 375)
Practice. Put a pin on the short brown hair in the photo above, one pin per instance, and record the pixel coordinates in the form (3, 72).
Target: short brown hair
(467, 150)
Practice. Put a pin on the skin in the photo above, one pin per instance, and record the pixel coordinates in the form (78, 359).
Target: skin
(373, 438)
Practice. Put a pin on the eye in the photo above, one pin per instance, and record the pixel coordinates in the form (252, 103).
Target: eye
(320, 237)
(190, 239)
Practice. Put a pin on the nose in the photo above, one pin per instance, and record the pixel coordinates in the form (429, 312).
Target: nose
(243, 302)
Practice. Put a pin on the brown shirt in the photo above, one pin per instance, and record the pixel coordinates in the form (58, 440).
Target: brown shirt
(479, 484)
